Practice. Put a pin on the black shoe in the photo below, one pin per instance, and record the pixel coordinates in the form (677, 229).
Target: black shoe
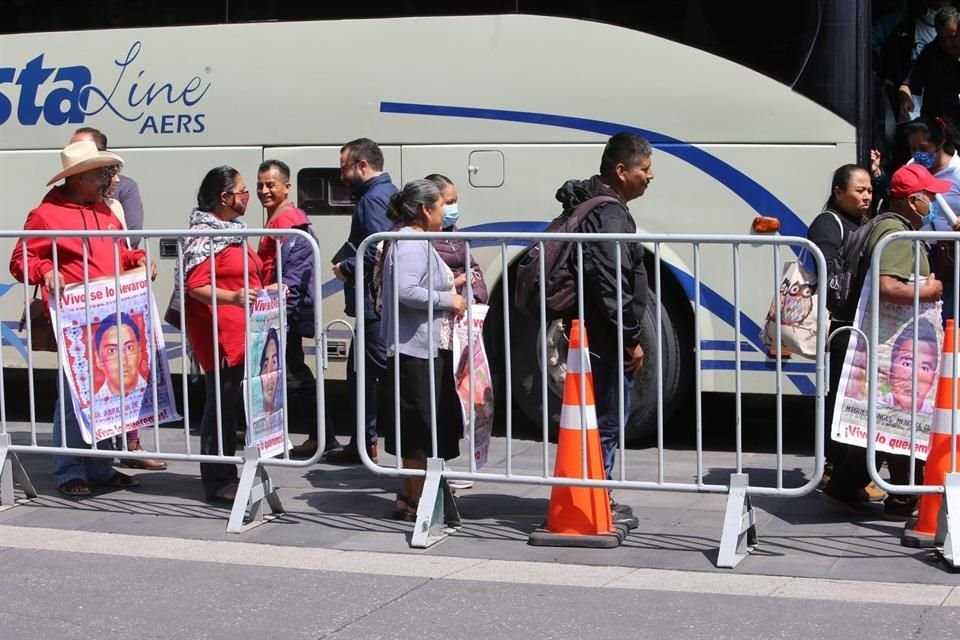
(350, 455)
(898, 508)
(619, 507)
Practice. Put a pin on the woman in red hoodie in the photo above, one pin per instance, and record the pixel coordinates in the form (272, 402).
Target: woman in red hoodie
(221, 201)
(77, 205)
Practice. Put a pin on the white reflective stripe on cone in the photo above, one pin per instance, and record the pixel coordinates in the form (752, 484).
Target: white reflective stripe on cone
(941, 421)
(946, 369)
(573, 362)
(570, 417)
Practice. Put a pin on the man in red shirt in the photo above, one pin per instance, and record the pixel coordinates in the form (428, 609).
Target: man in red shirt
(296, 261)
(79, 205)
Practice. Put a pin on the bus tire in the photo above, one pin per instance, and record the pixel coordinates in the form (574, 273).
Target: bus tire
(527, 376)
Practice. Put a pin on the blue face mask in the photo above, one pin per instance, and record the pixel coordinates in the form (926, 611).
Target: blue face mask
(450, 215)
(931, 213)
(925, 159)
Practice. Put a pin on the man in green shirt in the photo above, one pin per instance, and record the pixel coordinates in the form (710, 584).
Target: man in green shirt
(912, 193)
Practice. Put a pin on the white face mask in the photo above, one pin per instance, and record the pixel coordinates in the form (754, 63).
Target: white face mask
(450, 215)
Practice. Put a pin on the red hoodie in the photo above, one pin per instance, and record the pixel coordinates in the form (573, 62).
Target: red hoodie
(56, 213)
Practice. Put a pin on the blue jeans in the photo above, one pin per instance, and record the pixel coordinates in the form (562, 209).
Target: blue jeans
(66, 468)
(607, 381)
(375, 361)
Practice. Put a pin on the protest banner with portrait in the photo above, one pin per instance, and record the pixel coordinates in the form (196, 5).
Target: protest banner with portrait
(482, 401)
(106, 357)
(265, 375)
(899, 337)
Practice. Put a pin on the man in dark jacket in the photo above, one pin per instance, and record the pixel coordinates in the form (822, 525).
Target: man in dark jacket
(361, 169)
(625, 173)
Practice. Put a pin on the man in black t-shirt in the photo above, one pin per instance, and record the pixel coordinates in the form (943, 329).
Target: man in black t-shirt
(936, 72)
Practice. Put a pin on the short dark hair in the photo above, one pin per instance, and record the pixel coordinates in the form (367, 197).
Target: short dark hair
(109, 322)
(217, 181)
(946, 16)
(279, 165)
(364, 149)
(626, 148)
(404, 207)
(99, 138)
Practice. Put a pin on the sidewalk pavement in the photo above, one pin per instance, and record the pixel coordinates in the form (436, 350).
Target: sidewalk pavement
(347, 508)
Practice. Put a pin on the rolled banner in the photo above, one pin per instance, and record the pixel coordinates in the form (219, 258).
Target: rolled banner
(947, 211)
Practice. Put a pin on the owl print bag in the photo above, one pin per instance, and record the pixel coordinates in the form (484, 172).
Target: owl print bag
(797, 299)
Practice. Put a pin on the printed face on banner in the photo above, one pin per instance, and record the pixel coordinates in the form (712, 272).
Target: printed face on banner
(900, 332)
(120, 352)
(269, 390)
(105, 349)
(856, 388)
(265, 375)
(902, 364)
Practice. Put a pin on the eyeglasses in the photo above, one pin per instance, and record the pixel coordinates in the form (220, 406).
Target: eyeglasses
(344, 167)
(109, 171)
(237, 193)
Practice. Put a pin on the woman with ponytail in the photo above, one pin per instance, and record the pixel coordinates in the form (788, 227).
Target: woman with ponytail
(414, 347)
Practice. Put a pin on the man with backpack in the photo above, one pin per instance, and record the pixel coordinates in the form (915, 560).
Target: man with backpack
(625, 174)
(912, 204)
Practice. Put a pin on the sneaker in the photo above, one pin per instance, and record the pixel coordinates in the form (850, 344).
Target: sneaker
(899, 509)
(854, 505)
(460, 484)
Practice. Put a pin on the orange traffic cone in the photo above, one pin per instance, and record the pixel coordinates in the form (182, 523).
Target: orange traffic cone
(578, 516)
(924, 530)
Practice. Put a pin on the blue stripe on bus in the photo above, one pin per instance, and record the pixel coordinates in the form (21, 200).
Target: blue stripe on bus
(725, 345)
(748, 189)
(723, 309)
(758, 365)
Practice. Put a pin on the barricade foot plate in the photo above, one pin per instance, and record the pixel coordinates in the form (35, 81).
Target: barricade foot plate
(915, 539)
(544, 538)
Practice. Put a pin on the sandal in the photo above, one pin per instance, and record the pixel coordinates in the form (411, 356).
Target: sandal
(408, 511)
(119, 481)
(76, 488)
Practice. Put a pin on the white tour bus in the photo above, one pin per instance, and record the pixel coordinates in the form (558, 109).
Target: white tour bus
(750, 107)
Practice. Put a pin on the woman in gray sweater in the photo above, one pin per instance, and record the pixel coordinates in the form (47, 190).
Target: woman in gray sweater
(415, 279)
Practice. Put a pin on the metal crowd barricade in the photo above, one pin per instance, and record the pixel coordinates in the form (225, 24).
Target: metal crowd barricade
(255, 486)
(437, 514)
(947, 538)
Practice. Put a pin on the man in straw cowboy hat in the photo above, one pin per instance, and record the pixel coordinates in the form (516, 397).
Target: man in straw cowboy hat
(77, 204)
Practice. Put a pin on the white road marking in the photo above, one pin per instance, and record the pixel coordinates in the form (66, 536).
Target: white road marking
(452, 568)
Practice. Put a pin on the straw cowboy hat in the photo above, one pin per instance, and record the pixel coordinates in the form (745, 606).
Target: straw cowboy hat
(83, 156)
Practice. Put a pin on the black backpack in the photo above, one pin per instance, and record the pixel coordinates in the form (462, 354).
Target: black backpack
(847, 271)
(559, 268)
